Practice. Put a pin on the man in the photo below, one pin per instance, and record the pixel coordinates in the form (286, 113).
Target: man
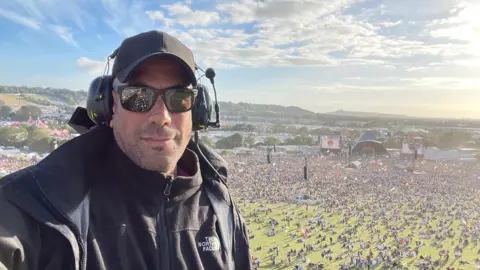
(134, 195)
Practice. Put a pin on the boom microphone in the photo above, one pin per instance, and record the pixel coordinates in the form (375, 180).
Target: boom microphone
(210, 74)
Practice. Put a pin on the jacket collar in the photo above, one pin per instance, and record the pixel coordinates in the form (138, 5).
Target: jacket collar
(147, 185)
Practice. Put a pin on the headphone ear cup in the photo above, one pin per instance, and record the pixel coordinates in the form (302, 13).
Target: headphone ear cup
(202, 109)
(99, 100)
(108, 98)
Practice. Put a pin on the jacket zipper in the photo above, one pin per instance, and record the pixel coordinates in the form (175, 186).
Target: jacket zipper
(164, 227)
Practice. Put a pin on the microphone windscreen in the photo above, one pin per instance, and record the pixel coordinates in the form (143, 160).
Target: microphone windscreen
(210, 73)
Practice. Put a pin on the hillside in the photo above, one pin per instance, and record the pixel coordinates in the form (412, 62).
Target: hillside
(41, 96)
(261, 110)
(365, 114)
(64, 101)
(20, 95)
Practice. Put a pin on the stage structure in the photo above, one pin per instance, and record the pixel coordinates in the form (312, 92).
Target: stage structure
(368, 144)
(411, 143)
(331, 143)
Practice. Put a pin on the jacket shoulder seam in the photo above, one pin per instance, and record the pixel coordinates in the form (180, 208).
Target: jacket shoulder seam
(17, 176)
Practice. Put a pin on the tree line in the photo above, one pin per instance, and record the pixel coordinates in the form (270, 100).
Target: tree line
(239, 140)
(22, 114)
(36, 139)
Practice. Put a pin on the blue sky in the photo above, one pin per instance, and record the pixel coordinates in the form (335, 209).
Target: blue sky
(415, 57)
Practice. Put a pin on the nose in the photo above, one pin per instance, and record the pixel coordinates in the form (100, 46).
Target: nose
(159, 113)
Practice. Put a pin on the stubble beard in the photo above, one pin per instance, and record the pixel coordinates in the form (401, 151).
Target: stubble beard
(134, 151)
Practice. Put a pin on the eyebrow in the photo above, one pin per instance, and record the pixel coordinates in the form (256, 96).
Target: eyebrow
(190, 86)
(134, 82)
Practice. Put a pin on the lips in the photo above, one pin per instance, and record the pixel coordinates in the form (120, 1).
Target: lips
(156, 139)
(162, 142)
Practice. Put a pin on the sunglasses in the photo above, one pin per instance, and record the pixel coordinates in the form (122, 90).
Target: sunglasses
(177, 99)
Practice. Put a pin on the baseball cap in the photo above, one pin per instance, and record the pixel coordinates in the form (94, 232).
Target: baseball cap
(136, 49)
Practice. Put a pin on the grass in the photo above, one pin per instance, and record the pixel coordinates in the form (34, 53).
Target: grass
(12, 100)
(301, 214)
(17, 100)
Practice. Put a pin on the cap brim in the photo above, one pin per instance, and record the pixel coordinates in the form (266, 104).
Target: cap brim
(125, 74)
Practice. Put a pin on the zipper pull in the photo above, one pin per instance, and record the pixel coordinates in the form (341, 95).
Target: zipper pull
(168, 187)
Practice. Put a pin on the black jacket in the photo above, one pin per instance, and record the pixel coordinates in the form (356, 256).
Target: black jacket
(81, 208)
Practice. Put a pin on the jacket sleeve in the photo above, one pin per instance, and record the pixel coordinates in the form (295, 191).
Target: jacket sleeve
(19, 239)
(243, 259)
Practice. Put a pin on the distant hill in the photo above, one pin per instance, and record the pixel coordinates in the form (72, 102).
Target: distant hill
(50, 96)
(42, 96)
(69, 99)
(262, 110)
(365, 114)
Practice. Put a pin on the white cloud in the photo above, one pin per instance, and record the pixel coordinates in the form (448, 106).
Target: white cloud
(252, 10)
(412, 69)
(472, 62)
(158, 15)
(91, 67)
(303, 33)
(22, 20)
(463, 24)
(182, 14)
(390, 24)
(64, 33)
(362, 62)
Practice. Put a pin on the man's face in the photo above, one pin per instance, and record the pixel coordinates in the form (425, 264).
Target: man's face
(154, 140)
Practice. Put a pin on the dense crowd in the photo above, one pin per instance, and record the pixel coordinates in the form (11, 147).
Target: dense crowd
(12, 163)
(380, 214)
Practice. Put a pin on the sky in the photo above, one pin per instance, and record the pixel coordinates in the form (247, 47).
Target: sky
(413, 57)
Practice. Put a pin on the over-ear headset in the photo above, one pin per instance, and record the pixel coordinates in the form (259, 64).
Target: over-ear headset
(100, 100)
(100, 103)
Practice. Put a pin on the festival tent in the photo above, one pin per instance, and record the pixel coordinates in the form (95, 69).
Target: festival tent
(369, 145)
(367, 136)
(37, 123)
(368, 142)
(56, 132)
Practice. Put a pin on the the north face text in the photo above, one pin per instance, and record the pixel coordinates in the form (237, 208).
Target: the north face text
(210, 244)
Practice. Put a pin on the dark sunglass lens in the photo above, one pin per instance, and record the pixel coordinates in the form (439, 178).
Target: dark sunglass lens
(178, 101)
(137, 99)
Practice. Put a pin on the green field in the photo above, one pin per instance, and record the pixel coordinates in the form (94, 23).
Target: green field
(300, 214)
(13, 99)
(25, 99)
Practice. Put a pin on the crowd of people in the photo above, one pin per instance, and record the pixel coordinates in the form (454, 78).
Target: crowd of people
(377, 214)
(12, 163)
